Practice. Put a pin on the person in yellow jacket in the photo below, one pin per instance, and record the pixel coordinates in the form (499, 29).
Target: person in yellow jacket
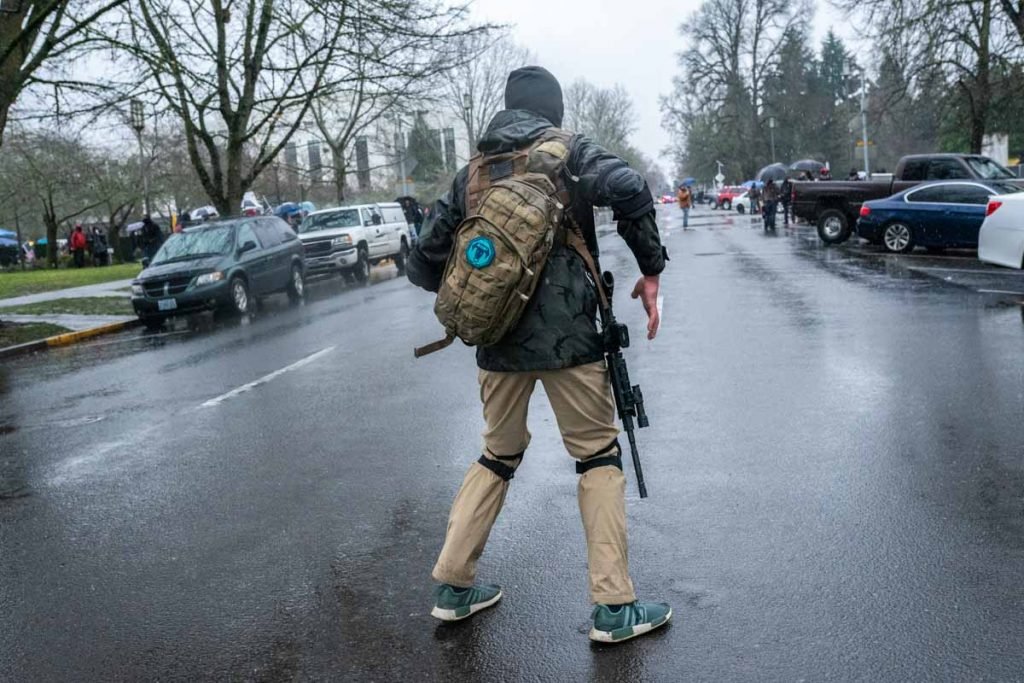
(685, 199)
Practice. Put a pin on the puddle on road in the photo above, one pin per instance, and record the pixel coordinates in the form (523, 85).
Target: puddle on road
(7, 429)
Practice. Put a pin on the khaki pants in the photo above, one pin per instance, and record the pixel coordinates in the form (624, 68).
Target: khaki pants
(582, 402)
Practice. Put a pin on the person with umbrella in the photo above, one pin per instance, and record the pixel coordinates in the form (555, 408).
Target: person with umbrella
(771, 203)
(152, 237)
(685, 199)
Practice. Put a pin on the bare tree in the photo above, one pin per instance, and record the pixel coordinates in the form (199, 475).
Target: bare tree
(38, 33)
(57, 176)
(1014, 10)
(392, 53)
(971, 42)
(240, 78)
(604, 114)
(474, 90)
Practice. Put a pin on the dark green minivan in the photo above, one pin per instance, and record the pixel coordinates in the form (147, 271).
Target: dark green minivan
(224, 264)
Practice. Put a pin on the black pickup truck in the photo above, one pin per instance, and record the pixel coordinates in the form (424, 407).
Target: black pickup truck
(834, 205)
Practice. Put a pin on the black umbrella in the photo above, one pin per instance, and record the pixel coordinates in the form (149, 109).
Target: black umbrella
(776, 172)
(809, 165)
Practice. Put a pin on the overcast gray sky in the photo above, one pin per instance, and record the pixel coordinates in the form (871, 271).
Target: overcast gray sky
(632, 42)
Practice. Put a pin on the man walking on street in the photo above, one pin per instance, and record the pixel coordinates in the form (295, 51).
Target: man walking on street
(556, 342)
(685, 200)
(771, 204)
(77, 245)
(786, 197)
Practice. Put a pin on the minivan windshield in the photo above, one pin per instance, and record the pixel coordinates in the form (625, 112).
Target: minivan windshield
(196, 244)
(343, 218)
(987, 169)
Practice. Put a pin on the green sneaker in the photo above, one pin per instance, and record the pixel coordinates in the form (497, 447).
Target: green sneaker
(628, 621)
(455, 603)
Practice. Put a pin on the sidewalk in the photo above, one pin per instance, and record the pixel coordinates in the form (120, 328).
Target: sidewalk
(74, 323)
(103, 289)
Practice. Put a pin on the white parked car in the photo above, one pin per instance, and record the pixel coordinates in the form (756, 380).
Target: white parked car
(742, 203)
(1001, 239)
(351, 239)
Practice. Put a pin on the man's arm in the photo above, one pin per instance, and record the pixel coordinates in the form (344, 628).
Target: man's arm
(426, 263)
(607, 180)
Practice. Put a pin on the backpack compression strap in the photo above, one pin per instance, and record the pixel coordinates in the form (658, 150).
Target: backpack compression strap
(427, 349)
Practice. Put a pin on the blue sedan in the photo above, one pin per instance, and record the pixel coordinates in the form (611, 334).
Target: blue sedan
(933, 215)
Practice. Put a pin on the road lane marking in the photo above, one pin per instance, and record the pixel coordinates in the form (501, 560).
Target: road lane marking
(999, 291)
(266, 378)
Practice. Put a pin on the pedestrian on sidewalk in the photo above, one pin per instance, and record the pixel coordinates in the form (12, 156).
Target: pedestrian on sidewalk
(555, 342)
(77, 245)
(786, 197)
(771, 204)
(754, 195)
(685, 200)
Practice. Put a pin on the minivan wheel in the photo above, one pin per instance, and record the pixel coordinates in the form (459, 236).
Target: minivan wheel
(898, 238)
(241, 301)
(403, 254)
(362, 269)
(833, 226)
(297, 284)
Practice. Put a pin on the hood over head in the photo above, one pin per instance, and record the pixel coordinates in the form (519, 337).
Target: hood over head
(535, 89)
(511, 129)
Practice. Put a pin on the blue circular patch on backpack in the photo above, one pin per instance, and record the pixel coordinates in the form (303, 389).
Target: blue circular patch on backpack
(480, 252)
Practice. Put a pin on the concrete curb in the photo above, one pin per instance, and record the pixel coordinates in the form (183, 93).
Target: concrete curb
(66, 339)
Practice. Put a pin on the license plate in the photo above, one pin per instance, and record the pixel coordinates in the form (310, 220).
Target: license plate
(167, 304)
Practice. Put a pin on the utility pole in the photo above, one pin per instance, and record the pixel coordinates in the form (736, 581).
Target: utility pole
(864, 125)
(401, 149)
(138, 116)
(771, 129)
(849, 73)
(467, 108)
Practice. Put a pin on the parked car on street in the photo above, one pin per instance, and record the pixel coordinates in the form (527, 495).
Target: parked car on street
(726, 196)
(932, 215)
(1001, 239)
(833, 205)
(221, 264)
(350, 239)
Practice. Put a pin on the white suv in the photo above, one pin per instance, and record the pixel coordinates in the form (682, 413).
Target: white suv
(350, 239)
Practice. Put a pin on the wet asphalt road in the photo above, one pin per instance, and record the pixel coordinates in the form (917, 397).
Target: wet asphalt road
(836, 468)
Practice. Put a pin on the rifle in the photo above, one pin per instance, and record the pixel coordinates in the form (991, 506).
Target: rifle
(629, 400)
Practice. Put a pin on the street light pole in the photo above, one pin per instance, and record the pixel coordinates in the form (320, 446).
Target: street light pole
(848, 72)
(138, 116)
(864, 125)
(771, 129)
(401, 155)
(467, 108)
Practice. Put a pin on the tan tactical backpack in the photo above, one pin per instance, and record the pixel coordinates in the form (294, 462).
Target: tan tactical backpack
(515, 203)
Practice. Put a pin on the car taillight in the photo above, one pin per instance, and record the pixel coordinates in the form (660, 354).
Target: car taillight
(992, 206)
(865, 211)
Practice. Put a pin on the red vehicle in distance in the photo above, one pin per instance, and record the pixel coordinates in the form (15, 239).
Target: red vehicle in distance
(726, 195)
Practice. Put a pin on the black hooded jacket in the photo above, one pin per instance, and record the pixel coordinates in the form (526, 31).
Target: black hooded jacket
(559, 326)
